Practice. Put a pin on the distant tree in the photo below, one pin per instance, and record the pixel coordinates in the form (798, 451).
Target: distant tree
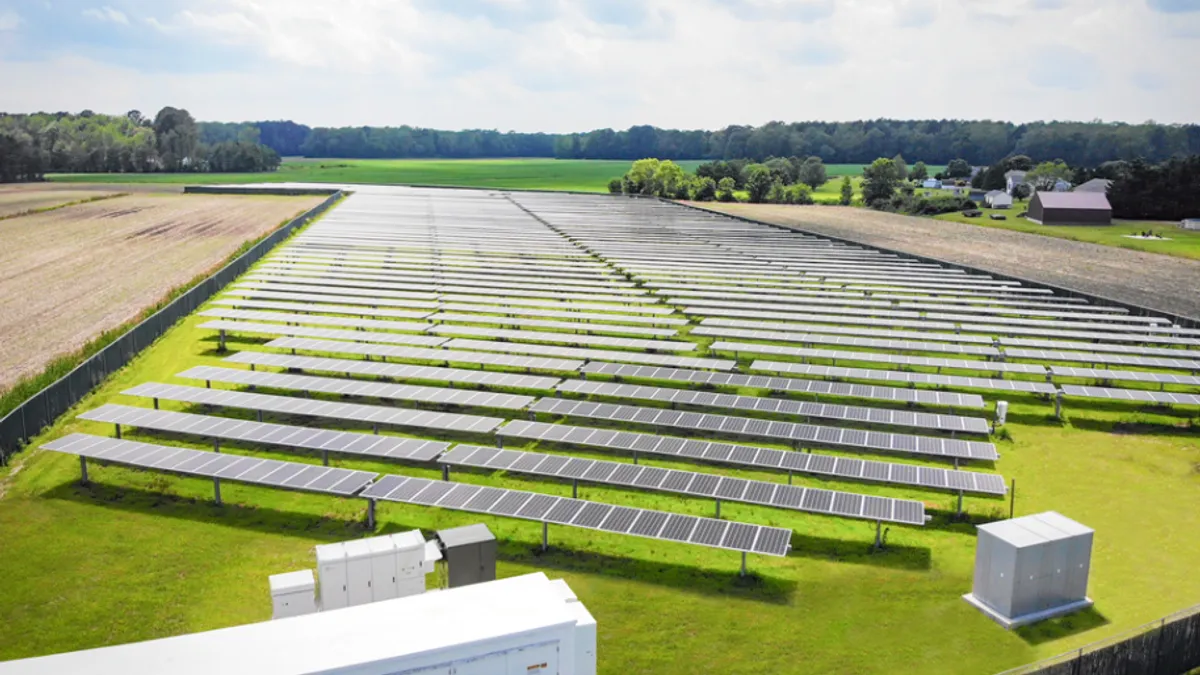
(901, 166)
(799, 194)
(782, 170)
(669, 180)
(614, 186)
(777, 194)
(1018, 163)
(639, 180)
(1022, 191)
(812, 173)
(758, 181)
(880, 181)
(725, 190)
(1168, 191)
(177, 137)
(958, 168)
(847, 195)
(1044, 176)
(918, 172)
(704, 189)
(719, 170)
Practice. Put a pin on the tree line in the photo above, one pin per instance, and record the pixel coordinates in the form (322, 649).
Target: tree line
(34, 145)
(935, 141)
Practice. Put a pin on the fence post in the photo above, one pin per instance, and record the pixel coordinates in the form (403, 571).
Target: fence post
(1162, 629)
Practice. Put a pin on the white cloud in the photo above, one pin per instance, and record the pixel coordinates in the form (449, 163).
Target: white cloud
(568, 65)
(107, 13)
(9, 20)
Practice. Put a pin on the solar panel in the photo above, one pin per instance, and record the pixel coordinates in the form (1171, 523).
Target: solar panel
(785, 384)
(438, 275)
(316, 320)
(345, 442)
(955, 381)
(359, 310)
(576, 513)
(320, 299)
(237, 468)
(866, 343)
(419, 354)
(650, 478)
(371, 414)
(322, 333)
(1118, 359)
(399, 371)
(566, 313)
(921, 361)
(563, 338)
(329, 385)
(535, 302)
(847, 330)
(1126, 375)
(556, 325)
(787, 431)
(1138, 395)
(778, 406)
(593, 354)
(1146, 350)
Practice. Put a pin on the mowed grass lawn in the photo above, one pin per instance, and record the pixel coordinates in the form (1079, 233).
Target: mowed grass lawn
(139, 555)
(1177, 241)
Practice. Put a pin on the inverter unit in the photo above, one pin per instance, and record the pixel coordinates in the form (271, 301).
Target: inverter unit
(292, 594)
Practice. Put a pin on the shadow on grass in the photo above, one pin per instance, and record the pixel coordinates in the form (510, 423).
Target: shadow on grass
(1181, 425)
(253, 518)
(723, 583)
(1035, 420)
(857, 552)
(1063, 626)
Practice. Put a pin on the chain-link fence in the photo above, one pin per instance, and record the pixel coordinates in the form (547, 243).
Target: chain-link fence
(1169, 646)
(40, 410)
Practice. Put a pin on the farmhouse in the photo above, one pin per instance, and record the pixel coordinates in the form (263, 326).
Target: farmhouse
(1070, 208)
(932, 184)
(1012, 179)
(1094, 185)
(998, 199)
(1190, 223)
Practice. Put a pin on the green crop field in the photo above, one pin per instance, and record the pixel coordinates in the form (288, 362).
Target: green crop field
(138, 555)
(576, 175)
(1177, 241)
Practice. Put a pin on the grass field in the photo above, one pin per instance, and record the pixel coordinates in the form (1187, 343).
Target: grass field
(1182, 243)
(138, 555)
(533, 174)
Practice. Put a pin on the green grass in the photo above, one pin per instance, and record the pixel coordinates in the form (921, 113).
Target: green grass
(538, 174)
(138, 555)
(535, 174)
(1183, 243)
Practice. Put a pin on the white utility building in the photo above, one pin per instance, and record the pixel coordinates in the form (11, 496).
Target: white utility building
(359, 571)
(526, 625)
(1031, 568)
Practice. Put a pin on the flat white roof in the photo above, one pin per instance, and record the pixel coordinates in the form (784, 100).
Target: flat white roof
(336, 641)
(1035, 529)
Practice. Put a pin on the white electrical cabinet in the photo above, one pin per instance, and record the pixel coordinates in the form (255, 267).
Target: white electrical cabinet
(292, 594)
(1031, 568)
(514, 626)
(331, 574)
(359, 566)
(383, 568)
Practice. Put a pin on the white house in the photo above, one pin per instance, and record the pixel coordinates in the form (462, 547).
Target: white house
(932, 184)
(1061, 185)
(1190, 223)
(1012, 179)
(998, 199)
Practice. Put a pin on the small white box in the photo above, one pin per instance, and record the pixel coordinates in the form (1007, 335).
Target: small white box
(410, 586)
(293, 594)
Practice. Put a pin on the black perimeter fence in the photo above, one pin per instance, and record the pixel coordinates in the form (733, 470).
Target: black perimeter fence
(1169, 646)
(39, 411)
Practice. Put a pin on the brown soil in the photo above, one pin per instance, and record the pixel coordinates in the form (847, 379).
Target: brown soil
(68, 275)
(1160, 282)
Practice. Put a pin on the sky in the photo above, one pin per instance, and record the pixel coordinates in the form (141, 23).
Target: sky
(576, 65)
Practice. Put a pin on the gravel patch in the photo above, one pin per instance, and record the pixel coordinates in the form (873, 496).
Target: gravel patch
(1161, 282)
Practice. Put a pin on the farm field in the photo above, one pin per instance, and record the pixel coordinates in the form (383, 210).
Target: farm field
(72, 273)
(576, 175)
(22, 198)
(1165, 283)
(140, 554)
(1178, 241)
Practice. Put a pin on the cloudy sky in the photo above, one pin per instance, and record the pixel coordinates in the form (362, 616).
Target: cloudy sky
(567, 65)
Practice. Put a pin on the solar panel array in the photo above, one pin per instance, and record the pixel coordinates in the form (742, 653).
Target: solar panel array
(399, 371)
(545, 508)
(813, 500)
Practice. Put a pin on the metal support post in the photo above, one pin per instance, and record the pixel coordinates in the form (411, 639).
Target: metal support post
(574, 488)
(499, 441)
(371, 515)
(958, 513)
(1012, 499)
(789, 476)
(878, 535)
(635, 456)
(208, 384)
(156, 404)
(325, 457)
(259, 415)
(216, 445)
(221, 337)
(1058, 401)
(446, 472)
(375, 428)
(718, 507)
(83, 470)
(118, 426)
(217, 491)
(545, 535)
(743, 572)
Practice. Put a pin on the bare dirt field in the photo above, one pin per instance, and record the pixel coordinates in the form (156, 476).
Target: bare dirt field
(70, 274)
(23, 197)
(1165, 283)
